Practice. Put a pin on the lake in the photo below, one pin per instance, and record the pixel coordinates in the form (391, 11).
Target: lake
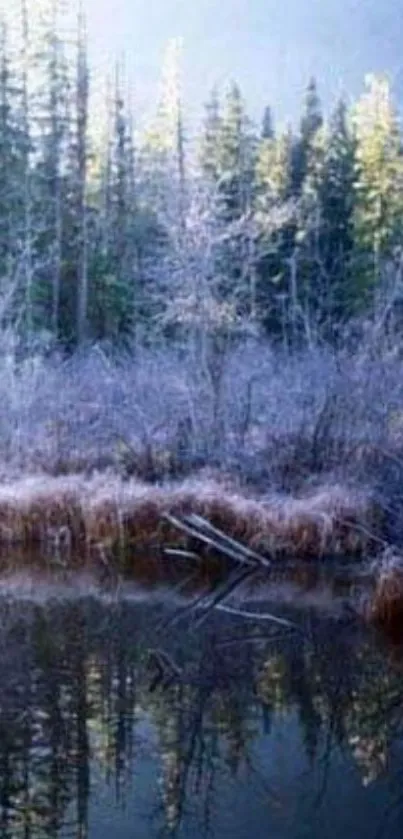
(127, 714)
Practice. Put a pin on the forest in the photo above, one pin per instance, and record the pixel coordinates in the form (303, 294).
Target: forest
(219, 305)
(114, 231)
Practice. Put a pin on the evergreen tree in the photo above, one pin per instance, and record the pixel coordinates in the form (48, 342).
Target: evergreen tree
(209, 147)
(311, 279)
(27, 150)
(273, 173)
(15, 234)
(163, 153)
(235, 155)
(379, 170)
(281, 171)
(312, 118)
(81, 142)
(325, 235)
(274, 214)
(8, 171)
(311, 122)
(267, 132)
(52, 117)
(113, 261)
(337, 199)
(63, 177)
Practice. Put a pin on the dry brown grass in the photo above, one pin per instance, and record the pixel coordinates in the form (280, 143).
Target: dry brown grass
(108, 512)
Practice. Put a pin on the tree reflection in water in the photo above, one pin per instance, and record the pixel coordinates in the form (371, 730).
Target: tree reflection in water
(87, 711)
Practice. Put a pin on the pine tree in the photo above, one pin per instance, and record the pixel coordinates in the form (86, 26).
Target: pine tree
(235, 155)
(7, 155)
(15, 187)
(325, 235)
(209, 147)
(163, 153)
(312, 285)
(379, 169)
(312, 118)
(81, 159)
(281, 172)
(52, 116)
(172, 110)
(273, 171)
(267, 132)
(337, 196)
(274, 213)
(27, 149)
(311, 122)
(235, 189)
(113, 261)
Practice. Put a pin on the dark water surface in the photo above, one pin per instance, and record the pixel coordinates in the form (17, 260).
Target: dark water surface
(117, 719)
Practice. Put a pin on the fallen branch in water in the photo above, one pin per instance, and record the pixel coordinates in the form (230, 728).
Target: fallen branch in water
(258, 616)
(194, 533)
(166, 669)
(258, 638)
(220, 545)
(178, 553)
(222, 592)
(226, 542)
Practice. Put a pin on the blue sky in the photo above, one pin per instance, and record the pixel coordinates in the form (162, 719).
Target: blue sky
(270, 46)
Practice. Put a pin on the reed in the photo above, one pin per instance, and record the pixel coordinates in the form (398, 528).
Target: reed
(107, 511)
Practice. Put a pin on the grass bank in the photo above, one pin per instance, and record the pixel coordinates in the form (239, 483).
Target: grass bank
(294, 456)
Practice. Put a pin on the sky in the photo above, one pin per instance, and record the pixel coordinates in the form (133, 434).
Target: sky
(271, 47)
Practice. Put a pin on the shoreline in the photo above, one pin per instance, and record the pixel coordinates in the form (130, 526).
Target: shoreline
(125, 529)
(81, 511)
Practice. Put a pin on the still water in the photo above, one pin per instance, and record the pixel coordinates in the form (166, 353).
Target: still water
(125, 717)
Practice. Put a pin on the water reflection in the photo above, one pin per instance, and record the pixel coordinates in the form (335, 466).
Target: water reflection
(117, 719)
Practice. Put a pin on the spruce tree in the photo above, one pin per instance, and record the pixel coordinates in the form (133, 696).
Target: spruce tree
(27, 150)
(273, 173)
(325, 235)
(311, 122)
(274, 214)
(163, 147)
(8, 171)
(337, 197)
(379, 177)
(51, 120)
(235, 155)
(113, 260)
(267, 132)
(209, 145)
(81, 145)
(15, 232)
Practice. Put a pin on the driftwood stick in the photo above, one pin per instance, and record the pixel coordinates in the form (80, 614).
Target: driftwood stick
(208, 540)
(202, 523)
